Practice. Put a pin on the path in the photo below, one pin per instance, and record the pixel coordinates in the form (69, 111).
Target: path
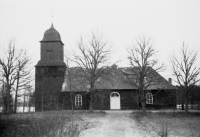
(114, 124)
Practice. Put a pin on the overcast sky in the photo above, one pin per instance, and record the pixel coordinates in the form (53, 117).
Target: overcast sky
(167, 22)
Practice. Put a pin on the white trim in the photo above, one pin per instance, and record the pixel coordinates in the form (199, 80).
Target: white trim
(149, 98)
(115, 100)
(78, 100)
(116, 93)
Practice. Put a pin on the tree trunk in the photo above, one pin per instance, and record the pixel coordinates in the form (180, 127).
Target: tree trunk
(192, 100)
(8, 103)
(90, 106)
(15, 107)
(102, 102)
(91, 101)
(3, 97)
(24, 104)
(29, 104)
(186, 97)
(8, 100)
(16, 92)
(138, 100)
(143, 102)
(71, 99)
(183, 100)
(182, 106)
(143, 108)
(186, 104)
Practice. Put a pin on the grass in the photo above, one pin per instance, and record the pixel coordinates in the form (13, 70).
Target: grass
(164, 124)
(46, 124)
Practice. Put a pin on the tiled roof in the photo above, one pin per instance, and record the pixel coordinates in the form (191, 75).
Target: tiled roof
(153, 79)
(74, 80)
(117, 80)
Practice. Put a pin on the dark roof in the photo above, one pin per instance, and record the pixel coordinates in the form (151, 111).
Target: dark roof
(117, 80)
(153, 78)
(51, 35)
(74, 80)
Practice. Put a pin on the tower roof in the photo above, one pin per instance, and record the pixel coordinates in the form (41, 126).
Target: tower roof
(51, 35)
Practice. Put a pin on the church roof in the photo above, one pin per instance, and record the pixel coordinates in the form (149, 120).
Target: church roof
(153, 80)
(117, 80)
(51, 35)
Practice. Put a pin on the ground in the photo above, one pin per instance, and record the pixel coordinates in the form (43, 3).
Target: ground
(176, 126)
(128, 124)
(108, 124)
(114, 124)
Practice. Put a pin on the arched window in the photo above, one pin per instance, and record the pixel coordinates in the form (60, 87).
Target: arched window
(149, 98)
(114, 94)
(78, 100)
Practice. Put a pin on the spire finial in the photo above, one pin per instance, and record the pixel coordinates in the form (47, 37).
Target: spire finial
(52, 25)
(52, 16)
(52, 19)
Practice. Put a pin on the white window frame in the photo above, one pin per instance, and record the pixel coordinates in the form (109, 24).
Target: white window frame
(78, 100)
(149, 98)
(118, 95)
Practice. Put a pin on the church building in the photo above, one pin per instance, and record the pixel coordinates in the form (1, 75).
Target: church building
(52, 90)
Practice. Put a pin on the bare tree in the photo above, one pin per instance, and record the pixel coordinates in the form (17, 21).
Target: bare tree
(69, 79)
(92, 60)
(185, 71)
(13, 65)
(23, 77)
(8, 68)
(102, 95)
(144, 65)
(31, 100)
(2, 94)
(26, 97)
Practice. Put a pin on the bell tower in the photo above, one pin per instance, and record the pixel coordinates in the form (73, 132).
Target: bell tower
(49, 71)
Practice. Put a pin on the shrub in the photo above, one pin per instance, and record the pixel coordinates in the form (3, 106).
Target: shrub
(49, 125)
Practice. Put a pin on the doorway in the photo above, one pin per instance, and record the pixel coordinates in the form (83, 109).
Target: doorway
(115, 100)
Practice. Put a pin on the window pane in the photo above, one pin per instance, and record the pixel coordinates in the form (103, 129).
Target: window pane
(149, 98)
(78, 100)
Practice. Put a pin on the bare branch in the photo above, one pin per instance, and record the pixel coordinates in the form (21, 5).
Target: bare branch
(14, 70)
(144, 66)
(92, 60)
(185, 71)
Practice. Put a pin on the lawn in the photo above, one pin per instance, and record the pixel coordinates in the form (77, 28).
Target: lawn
(51, 124)
(66, 124)
(166, 125)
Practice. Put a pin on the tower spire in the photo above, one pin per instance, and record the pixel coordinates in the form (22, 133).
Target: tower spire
(52, 17)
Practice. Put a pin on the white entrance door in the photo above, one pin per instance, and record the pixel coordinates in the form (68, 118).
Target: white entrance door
(115, 100)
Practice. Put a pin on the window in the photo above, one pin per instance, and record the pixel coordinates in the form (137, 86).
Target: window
(114, 94)
(78, 100)
(149, 98)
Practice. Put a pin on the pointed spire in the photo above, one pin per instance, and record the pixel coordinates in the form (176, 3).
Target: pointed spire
(52, 17)
(52, 26)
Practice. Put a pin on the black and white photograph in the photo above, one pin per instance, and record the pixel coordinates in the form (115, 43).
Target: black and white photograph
(99, 68)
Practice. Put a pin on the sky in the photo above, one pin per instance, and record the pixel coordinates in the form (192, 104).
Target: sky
(168, 23)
